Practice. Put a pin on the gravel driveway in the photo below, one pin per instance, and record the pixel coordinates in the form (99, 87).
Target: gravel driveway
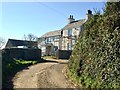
(49, 74)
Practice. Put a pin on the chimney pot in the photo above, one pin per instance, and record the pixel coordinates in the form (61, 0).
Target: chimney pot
(89, 15)
(72, 16)
(89, 12)
(71, 19)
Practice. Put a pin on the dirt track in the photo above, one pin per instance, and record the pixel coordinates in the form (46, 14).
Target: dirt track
(49, 74)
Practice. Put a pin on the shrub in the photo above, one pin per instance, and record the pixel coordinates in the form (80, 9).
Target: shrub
(96, 55)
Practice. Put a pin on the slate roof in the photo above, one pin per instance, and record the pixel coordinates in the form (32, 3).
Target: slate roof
(14, 43)
(52, 33)
(74, 24)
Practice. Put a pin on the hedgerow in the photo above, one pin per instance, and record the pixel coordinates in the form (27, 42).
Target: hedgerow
(95, 60)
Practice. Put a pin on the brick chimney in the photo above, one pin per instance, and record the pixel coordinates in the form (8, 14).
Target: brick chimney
(71, 19)
(89, 15)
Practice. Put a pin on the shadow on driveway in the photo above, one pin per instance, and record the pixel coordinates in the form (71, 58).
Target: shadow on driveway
(9, 83)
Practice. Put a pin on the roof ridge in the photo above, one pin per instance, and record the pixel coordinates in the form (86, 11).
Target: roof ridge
(21, 40)
(50, 32)
(74, 24)
(54, 31)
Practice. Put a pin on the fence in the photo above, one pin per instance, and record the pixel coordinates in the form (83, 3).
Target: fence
(21, 53)
(63, 54)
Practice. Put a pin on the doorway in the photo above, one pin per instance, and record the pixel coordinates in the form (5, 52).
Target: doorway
(48, 50)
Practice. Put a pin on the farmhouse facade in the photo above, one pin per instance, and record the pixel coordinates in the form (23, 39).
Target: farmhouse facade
(63, 39)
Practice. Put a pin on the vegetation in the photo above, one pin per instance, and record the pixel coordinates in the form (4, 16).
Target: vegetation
(2, 42)
(30, 37)
(10, 67)
(95, 60)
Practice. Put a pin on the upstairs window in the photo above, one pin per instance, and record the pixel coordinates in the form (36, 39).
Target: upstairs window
(69, 32)
(56, 38)
(53, 38)
(47, 39)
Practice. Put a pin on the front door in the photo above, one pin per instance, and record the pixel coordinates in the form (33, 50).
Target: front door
(48, 50)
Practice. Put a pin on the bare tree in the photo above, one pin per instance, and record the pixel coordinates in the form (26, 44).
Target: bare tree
(24, 37)
(30, 37)
(2, 42)
(97, 11)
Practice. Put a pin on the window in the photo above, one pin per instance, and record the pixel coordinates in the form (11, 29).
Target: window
(69, 46)
(47, 39)
(56, 38)
(70, 32)
(52, 38)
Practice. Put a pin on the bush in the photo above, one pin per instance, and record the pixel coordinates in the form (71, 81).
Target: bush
(96, 55)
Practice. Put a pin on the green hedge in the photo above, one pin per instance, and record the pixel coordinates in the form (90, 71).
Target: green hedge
(95, 60)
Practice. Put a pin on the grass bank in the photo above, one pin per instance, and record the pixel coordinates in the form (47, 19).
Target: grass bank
(11, 67)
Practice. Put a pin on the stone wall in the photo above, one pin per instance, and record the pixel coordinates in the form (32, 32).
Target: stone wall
(63, 54)
(21, 53)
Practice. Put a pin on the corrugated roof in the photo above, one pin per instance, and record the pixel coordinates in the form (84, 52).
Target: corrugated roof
(74, 24)
(52, 33)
